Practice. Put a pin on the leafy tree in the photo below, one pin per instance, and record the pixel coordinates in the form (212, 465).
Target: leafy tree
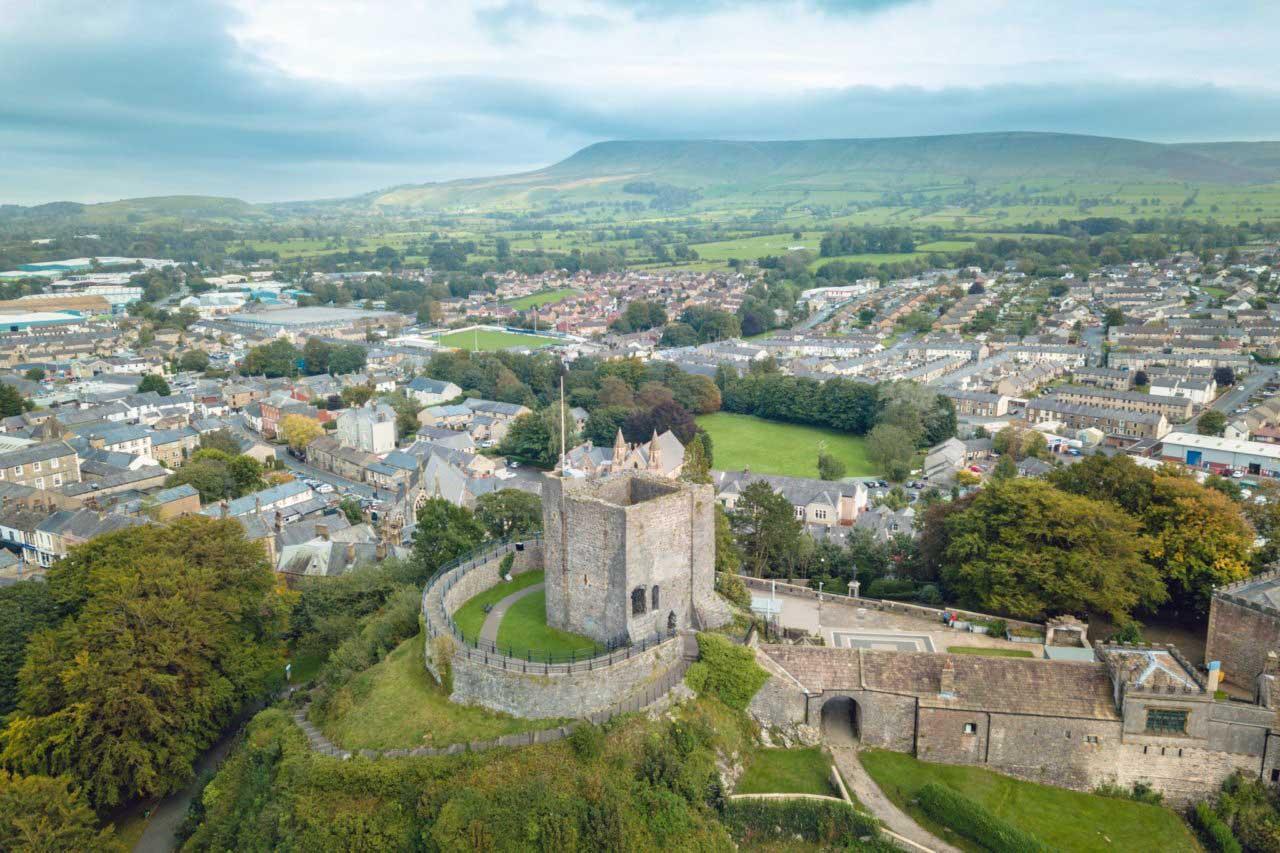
(1199, 539)
(603, 424)
(443, 532)
(697, 467)
(728, 557)
(1005, 469)
(12, 402)
(154, 382)
(830, 467)
(641, 424)
(1020, 443)
(1024, 548)
(222, 441)
(25, 608)
(509, 512)
(351, 509)
(766, 528)
(35, 374)
(174, 628)
(1224, 376)
(347, 358)
(217, 475)
(41, 814)
(357, 395)
(639, 316)
(1211, 422)
(891, 449)
(315, 355)
(1140, 379)
(678, 335)
(529, 439)
(277, 358)
(299, 430)
(1113, 317)
(615, 392)
(195, 360)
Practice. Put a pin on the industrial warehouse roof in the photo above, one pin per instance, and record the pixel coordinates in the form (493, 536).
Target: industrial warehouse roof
(313, 316)
(1225, 445)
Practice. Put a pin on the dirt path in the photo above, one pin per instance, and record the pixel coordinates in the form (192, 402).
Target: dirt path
(864, 788)
(489, 631)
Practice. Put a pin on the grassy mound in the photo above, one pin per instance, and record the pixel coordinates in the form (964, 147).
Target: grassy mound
(470, 616)
(397, 704)
(525, 629)
(1063, 820)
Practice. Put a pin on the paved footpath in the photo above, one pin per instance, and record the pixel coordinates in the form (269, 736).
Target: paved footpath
(489, 631)
(864, 788)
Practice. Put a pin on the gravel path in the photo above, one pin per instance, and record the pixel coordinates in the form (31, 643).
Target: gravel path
(489, 631)
(863, 787)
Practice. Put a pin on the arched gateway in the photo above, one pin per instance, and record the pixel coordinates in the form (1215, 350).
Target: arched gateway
(841, 720)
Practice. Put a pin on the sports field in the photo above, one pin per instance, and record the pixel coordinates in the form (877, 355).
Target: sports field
(484, 340)
(543, 297)
(743, 441)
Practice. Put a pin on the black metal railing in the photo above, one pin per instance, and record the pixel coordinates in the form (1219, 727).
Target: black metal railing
(440, 621)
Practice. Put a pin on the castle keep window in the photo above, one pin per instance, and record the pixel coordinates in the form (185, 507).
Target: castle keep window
(653, 605)
(1165, 721)
(637, 601)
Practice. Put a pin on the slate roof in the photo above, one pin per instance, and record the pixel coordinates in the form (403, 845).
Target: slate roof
(36, 453)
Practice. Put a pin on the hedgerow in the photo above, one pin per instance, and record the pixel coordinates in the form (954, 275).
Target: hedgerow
(973, 821)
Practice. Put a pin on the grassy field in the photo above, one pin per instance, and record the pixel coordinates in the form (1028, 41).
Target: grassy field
(988, 652)
(485, 340)
(470, 616)
(397, 704)
(767, 447)
(544, 297)
(524, 631)
(1064, 820)
(787, 771)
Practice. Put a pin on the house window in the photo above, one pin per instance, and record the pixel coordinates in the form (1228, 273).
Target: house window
(1090, 738)
(1275, 775)
(53, 463)
(17, 470)
(799, 512)
(971, 728)
(637, 601)
(653, 603)
(35, 466)
(39, 482)
(1163, 721)
(57, 480)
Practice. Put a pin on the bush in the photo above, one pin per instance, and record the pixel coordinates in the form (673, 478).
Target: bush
(731, 587)
(1141, 792)
(587, 741)
(891, 588)
(728, 672)
(816, 821)
(504, 567)
(973, 821)
(1215, 831)
(929, 595)
(378, 636)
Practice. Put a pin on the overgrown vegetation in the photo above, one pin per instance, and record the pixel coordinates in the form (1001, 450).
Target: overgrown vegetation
(727, 672)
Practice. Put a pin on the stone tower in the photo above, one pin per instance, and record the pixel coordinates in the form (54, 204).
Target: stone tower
(629, 556)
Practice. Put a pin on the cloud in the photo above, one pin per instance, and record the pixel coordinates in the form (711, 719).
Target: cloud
(282, 99)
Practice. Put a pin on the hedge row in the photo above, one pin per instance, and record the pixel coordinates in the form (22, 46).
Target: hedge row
(1217, 832)
(973, 821)
(817, 821)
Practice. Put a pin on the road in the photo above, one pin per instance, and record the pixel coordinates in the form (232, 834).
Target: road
(341, 484)
(1239, 394)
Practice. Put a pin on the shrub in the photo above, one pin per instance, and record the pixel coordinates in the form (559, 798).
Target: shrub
(504, 567)
(973, 821)
(929, 595)
(442, 650)
(1140, 792)
(587, 741)
(891, 588)
(731, 587)
(377, 637)
(1217, 833)
(816, 821)
(728, 672)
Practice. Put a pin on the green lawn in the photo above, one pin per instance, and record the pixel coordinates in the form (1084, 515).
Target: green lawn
(524, 632)
(788, 771)
(470, 616)
(1064, 820)
(543, 297)
(988, 652)
(486, 340)
(768, 447)
(397, 704)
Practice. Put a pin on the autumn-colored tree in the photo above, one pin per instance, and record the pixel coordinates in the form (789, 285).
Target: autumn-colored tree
(40, 814)
(299, 430)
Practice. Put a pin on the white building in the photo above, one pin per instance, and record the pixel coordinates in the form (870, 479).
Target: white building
(1222, 455)
(371, 428)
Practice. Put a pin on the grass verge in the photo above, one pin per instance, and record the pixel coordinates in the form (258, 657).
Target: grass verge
(989, 652)
(1064, 820)
(788, 771)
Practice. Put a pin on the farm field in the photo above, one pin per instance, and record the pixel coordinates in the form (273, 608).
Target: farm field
(768, 447)
(1064, 820)
(487, 340)
(757, 247)
(545, 297)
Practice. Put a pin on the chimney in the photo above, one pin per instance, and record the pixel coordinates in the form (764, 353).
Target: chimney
(947, 681)
(1215, 677)
(322, 530)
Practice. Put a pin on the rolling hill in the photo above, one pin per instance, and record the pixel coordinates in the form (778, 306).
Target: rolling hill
(720, 169)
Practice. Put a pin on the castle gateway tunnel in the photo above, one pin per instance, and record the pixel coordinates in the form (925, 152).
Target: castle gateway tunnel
(840, 720)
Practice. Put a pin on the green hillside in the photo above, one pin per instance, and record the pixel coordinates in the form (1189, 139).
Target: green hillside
(141, 211)
(843, 170)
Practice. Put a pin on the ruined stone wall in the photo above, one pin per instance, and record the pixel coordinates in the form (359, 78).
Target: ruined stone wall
(561, 694)
(1240, 635)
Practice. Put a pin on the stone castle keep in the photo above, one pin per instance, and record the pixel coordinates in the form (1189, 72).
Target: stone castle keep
(628, 557)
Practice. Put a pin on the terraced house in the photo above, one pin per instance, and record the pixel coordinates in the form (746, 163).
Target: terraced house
(41, 466)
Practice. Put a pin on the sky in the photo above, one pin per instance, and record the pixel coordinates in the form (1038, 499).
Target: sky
(274, 100)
